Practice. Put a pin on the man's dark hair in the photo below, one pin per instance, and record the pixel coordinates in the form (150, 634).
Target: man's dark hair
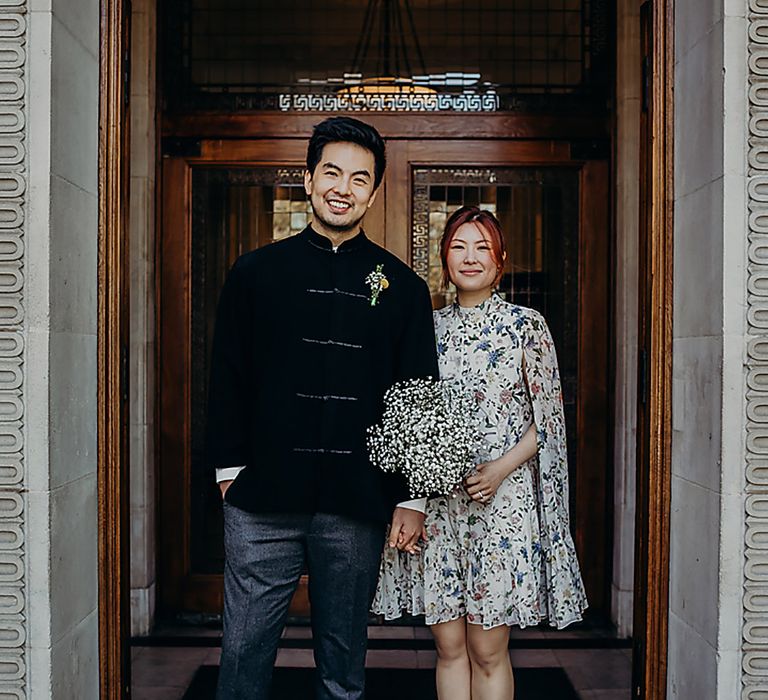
(347, 130)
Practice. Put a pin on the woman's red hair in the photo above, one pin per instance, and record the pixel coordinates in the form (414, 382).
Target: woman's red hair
(488, 225)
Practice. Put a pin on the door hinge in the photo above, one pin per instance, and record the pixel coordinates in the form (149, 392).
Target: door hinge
(124, 373)
(646, 41)
(127, 78)
(646, 83)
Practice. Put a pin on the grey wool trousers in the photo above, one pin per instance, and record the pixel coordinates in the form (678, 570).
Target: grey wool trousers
(264, 558)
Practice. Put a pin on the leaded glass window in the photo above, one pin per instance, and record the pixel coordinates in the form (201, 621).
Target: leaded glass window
(382, 54)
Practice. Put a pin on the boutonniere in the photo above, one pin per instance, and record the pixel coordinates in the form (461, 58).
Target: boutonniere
(378, 282)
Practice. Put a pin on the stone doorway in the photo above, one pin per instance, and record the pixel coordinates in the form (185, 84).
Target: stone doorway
(143, 378)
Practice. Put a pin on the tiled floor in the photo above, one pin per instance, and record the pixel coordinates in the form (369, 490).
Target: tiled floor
(597, 674)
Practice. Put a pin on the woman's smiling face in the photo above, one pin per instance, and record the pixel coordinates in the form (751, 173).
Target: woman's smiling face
(471, 265)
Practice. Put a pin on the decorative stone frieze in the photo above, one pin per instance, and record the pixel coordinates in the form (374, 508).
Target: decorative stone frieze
(755, 627)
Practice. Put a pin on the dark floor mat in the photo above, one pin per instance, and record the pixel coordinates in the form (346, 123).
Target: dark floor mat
(388, 683)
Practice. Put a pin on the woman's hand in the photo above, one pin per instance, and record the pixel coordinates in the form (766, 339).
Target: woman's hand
(487, 478)
(484, 483)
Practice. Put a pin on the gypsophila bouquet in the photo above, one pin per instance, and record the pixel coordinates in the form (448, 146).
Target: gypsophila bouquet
(425, 434)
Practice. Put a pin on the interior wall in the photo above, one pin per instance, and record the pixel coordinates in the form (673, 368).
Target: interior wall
(142, 324)
(627, 193)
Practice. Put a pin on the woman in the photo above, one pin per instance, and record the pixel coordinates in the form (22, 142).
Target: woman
(498, 552)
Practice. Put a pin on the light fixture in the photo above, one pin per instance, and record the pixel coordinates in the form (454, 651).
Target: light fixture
(391, 22)
(385, 81)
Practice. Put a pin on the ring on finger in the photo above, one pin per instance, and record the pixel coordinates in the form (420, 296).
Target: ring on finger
(480, 493)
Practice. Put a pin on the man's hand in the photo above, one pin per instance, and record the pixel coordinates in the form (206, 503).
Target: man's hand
(224, 485)
(407, 527)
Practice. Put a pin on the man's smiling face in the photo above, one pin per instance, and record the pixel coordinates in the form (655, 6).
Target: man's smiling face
(341, 188)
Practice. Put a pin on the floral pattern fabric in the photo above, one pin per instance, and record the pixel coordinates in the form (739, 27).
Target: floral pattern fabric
(512, 560)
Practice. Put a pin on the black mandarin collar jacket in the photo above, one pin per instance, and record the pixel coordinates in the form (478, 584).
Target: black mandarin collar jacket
(299, 365)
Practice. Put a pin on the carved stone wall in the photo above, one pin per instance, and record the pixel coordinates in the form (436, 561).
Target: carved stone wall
(13, 30)
(755, 629)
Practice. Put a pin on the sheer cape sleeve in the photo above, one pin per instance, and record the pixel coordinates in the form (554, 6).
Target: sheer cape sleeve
(565, 595)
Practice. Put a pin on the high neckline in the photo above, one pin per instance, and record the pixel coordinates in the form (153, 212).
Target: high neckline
(323, 243)
(473, 312)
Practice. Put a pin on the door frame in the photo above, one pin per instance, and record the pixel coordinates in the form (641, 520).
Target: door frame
(112, 339)
(179, 587)
(653, 474)
(656, 301)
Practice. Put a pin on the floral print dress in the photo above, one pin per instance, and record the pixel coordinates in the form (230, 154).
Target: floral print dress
(510, 561)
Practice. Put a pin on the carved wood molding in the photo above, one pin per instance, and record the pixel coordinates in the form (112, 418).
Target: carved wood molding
(755, 624)
(13, 185)
(112, 339)
(391, 125)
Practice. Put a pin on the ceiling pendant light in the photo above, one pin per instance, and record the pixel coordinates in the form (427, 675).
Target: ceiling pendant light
(391, 23)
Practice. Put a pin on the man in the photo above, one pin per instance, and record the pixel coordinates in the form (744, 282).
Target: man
(310, 333)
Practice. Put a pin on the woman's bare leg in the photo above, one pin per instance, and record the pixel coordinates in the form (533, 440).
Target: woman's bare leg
(492, 677)
(453, 669)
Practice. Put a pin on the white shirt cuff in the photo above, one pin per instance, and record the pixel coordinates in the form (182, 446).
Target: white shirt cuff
(228, 473)
(419, 504)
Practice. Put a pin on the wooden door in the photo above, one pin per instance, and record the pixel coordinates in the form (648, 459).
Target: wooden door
(214, 210)
(223, 198)
(556, 220)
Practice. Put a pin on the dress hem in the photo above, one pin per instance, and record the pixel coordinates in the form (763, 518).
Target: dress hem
(561, 626)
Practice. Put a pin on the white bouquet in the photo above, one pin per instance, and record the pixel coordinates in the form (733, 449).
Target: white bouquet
(426, 434)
